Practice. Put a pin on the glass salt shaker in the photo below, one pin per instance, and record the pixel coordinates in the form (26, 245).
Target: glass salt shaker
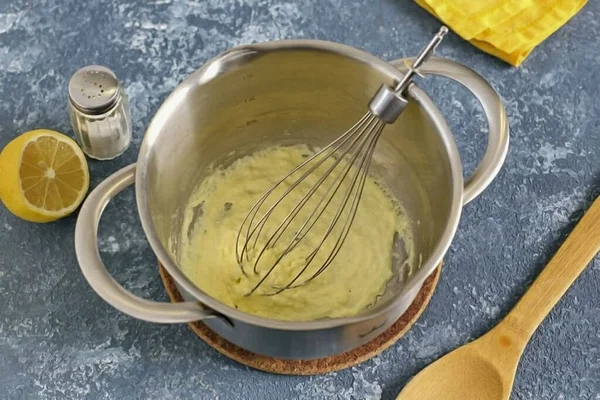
(99, 112)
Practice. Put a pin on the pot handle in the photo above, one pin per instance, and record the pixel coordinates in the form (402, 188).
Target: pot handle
(493, 107)
(95, 272)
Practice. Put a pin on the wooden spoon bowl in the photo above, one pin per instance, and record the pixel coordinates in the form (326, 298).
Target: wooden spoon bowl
(485, 368)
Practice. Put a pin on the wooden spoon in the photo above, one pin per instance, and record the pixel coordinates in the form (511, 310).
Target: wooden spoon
(485, 368)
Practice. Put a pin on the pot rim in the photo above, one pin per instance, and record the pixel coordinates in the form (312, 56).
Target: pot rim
(209, 71)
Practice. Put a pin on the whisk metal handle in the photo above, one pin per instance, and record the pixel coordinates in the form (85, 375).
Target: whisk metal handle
(388, 103)
(420, 59)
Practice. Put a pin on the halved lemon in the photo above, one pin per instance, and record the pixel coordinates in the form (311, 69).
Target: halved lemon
(43, 176)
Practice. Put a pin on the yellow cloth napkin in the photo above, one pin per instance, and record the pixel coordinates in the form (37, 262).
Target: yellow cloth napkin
(507, 29)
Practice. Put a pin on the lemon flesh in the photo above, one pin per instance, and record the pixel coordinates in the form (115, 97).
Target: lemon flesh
(43, 176)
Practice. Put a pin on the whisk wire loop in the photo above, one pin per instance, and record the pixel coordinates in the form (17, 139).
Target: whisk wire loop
(346, 158)
(361, 152)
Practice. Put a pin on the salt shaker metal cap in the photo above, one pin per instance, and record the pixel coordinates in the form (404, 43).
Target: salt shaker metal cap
(99, 112)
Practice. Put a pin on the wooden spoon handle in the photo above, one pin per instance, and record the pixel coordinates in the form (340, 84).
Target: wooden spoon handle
(566, 265)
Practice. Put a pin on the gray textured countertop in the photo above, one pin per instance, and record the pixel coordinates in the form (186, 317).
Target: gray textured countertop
(59, 340)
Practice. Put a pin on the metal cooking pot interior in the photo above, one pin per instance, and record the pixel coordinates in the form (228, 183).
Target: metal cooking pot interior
(251, 101)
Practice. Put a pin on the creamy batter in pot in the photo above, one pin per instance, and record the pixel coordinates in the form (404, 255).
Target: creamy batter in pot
(351, 284)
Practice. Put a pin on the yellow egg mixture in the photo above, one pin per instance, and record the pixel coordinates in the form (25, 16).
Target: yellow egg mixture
(350, 284)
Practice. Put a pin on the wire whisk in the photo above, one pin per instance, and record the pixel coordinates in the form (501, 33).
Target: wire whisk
(330, 184)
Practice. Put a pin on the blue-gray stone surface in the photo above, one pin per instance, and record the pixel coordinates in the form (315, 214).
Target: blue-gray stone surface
(59, 340)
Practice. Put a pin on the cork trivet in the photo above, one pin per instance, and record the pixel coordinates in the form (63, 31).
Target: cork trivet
(317, 366)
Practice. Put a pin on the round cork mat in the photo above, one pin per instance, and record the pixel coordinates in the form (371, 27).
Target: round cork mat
(316, 366)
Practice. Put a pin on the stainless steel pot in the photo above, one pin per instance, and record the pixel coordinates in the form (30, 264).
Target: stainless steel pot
(288, 92)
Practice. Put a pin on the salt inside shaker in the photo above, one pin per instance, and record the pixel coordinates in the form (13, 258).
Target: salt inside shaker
(99, 112)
